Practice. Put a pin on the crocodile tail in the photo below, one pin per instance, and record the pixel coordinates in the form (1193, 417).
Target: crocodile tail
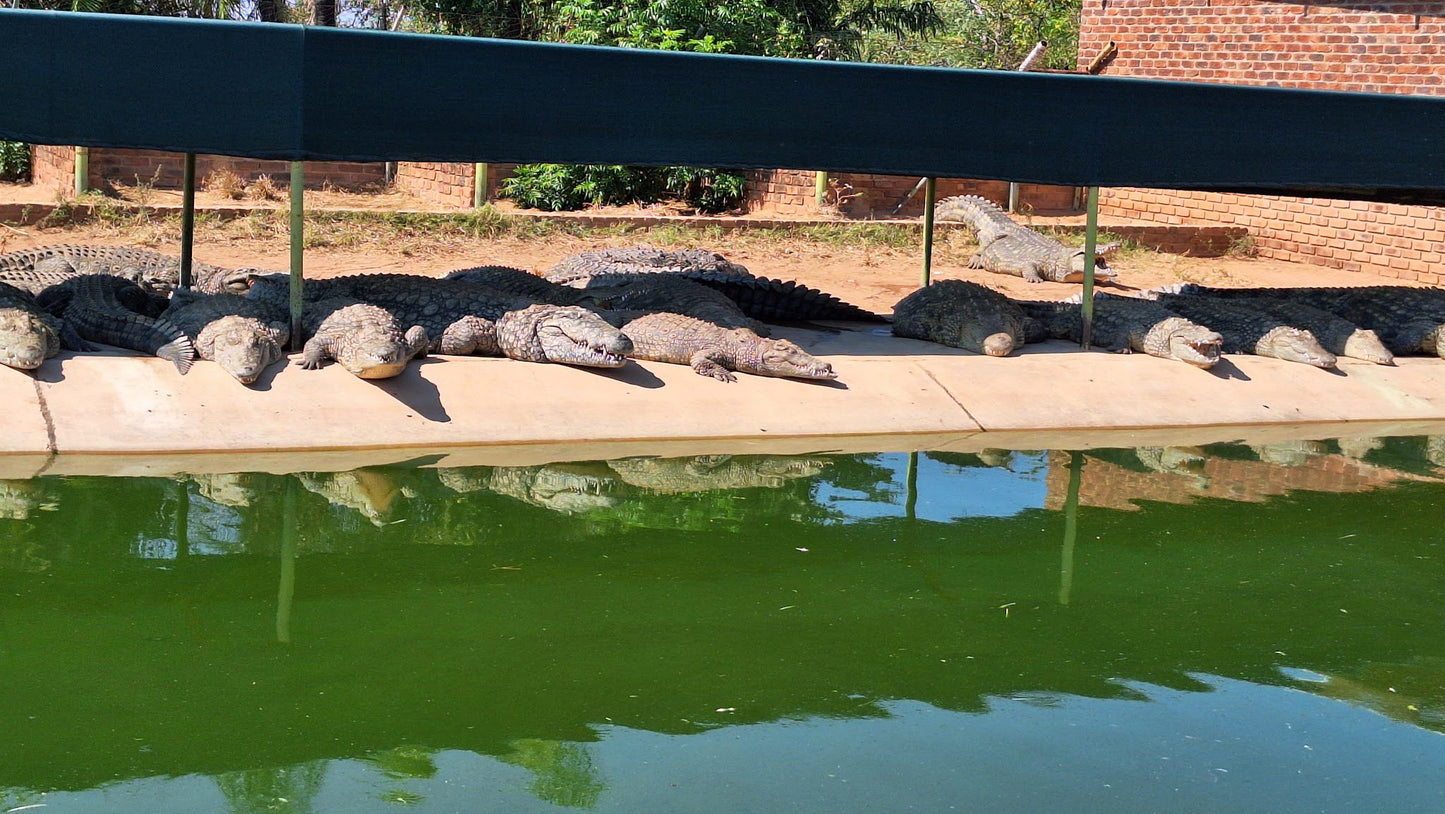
(180, 352)
(970, 209)
(773, 300)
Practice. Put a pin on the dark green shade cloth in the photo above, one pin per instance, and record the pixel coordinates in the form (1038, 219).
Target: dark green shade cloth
(286, 92)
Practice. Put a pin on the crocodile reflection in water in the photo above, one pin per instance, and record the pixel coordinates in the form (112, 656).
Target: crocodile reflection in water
(372, 492)
(706, 473)
(1290, 453)
(238, 490)
(563, 488)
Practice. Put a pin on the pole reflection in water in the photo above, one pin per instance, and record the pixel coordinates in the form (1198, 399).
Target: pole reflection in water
(711, 632)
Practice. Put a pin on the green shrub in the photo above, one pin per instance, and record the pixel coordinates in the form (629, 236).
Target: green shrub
(14, 161)
(556, 187)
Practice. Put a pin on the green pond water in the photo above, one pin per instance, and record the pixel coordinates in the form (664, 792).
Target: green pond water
(1228, 628)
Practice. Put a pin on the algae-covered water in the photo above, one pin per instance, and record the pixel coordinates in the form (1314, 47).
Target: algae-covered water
(1211, 629)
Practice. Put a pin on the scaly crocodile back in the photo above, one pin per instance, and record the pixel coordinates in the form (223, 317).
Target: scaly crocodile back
(515, 281)
(762, 298)
(38, 268)
(983, 217)
(109, 309)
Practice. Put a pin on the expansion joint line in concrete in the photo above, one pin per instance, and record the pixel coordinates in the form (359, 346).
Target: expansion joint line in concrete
(951, 397)
(50, 445)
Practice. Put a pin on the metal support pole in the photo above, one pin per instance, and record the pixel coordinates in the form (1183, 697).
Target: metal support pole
(188, 218)
(1071, 526)
(820, 188)
(910, 485)
(82, 170)
(479, 185)
(1091, 242)
(1013, 197)
(286, 591)
(298, 181)
(930, 191)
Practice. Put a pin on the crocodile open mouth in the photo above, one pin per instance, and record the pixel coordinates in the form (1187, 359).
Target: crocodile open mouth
(593, 356)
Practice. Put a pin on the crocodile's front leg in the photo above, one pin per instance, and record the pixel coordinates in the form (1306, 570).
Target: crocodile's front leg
(316, 353)
(1034, 271)
(416, 342)
(708, 363)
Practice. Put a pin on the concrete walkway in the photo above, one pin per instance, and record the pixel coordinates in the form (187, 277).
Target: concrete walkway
(116, 413)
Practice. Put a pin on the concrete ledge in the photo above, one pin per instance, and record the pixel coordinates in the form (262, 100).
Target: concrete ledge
(117, 413)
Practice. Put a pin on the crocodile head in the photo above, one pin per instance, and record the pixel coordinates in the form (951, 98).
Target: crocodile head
(1190, 343)
(373, 352)
(1294, 345)
(25, 339)
(971, 331)
(241, 346)
(1102, 271)
(780, 357)
(564, 334)
(1363, 344)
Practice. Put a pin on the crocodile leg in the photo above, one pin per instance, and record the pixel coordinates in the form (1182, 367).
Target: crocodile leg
(316, 354)
(417, 342)
(707, 363)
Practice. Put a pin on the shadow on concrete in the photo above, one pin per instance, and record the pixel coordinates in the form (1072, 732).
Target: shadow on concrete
(263, 382)
(631, 373)
(1226, 369)
(416, 391)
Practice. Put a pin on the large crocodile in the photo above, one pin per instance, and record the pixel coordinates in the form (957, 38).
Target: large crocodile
(1249, 330)
(1129, 324)
(676, 295)
(28, 333)
(521, 283)
(115, 311)
(762, 298)
(713, 351)
(1006, 247)
(961, 314)
(242, 335)
(1408, 320)
(468, 318)
(41, 267)
(1335, 333)
(363, 338)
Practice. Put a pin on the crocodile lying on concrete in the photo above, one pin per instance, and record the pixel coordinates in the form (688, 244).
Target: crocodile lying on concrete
(468, 318)
(1335, 333)
(675, 295)
(28, 333)
(116, 311)
(521, 283)
(1006, 247)
(961, 314)
(1249, 330)
(713, 351)
(41, 267)
(363, 338)
(1408, 321)
(242, 335)
(1127, 324)
(762, 298)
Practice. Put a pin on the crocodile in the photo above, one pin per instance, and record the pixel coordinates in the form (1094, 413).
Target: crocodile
(1407, 320)
(41, 267)
(1249, 330)
(1005, 247)
(961, 314)
(468, 318)
(675, 295)
(1128, 324)
(28, 333)
(242, 335)
(569, 489)
(363, 338)
(762, 298)
(518, 282)
(115, 311)
(1335, 333)
(707, 473)
(370, 491)
(713, 351)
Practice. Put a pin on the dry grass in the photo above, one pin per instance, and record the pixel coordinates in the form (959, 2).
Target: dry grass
(225, 183)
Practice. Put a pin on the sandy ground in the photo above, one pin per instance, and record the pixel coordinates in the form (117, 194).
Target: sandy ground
(864, 273)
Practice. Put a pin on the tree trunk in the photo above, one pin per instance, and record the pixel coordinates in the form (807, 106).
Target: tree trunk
(325, 13)
(271, 11)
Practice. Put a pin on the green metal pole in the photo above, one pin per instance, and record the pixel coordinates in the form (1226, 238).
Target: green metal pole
(188, 218)
(1071, 526)
(298, 181)
(910, 485)
(820, 188)
(479, 186)
(82, 170)
(930, 191)
(286, 591)
(1091, 241)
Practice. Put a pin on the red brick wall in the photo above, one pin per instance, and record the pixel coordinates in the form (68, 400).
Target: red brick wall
(793, 192)
(167, 169)
(52, 167)
(1381, 47)
(449, 184)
